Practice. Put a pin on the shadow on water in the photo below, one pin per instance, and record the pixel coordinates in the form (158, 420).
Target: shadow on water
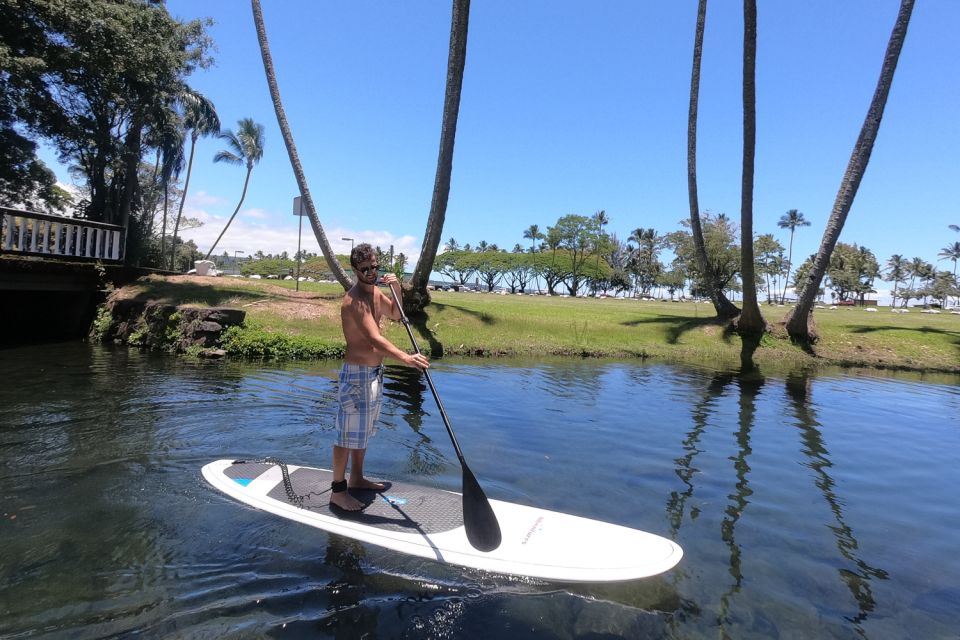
(676, 326)
(857, 579)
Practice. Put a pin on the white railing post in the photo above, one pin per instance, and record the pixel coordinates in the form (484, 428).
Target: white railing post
(52, 235)
(8, 223)
(56, 237)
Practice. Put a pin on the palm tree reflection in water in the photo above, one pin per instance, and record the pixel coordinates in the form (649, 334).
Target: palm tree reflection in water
(749, 384)
(406, 387)
(858, 579)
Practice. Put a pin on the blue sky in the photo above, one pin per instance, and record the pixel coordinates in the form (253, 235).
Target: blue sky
(572, 107)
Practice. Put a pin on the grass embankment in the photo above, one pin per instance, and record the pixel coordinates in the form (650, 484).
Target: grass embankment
(486, 324)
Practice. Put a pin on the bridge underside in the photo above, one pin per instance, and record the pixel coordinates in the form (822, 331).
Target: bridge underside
(48, 300)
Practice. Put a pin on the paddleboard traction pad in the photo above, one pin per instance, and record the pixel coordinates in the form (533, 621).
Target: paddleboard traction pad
(401, 507)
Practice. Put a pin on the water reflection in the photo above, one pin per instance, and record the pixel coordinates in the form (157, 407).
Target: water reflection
(799, 390)
(749, 384)
(108, 530)
(406, 388)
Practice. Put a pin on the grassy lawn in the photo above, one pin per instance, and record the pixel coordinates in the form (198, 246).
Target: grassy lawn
(490, 325)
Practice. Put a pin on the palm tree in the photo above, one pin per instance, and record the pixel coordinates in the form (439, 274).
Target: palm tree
(751, 321)
(896, 271)
(600, 219)
(790, 220)
(201, 120)
(799, 320)
(332, 263)
(456, 60)
(723, 307)
(532, 233)
(171, 164)
(954, 227)
(951, 252)
(245, 149)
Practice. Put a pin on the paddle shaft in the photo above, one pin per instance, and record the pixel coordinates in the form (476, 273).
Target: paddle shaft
(426, 372)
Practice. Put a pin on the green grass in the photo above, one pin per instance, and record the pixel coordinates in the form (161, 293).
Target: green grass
(474, 324)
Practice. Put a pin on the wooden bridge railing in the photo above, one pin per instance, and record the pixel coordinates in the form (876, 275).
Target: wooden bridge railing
(49, 236)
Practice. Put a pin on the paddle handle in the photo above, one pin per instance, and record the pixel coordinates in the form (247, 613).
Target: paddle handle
(426, 372)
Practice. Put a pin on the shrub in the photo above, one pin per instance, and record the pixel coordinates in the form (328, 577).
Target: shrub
(253, 342)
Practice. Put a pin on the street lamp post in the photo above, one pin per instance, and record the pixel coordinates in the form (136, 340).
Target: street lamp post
(236, 265)
(351, 243)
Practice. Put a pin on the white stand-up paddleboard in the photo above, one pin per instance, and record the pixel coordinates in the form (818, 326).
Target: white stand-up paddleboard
(428, 523)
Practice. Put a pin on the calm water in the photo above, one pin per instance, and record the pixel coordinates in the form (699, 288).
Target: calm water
(807, 507)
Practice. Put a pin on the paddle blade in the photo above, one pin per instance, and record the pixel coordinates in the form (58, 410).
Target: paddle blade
(483, 530)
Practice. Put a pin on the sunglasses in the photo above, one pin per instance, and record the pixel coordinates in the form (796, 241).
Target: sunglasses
(366, 270)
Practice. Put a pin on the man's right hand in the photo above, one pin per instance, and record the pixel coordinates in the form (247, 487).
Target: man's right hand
(418, 361)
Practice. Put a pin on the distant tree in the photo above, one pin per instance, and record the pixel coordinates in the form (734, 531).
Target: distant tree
(951, 252)
(896, 272)
(245, 148)
(790, 220)
(532, 233)
(456, 265)
(852, 271)
(769, 263)
(399, 266)
(200, 119)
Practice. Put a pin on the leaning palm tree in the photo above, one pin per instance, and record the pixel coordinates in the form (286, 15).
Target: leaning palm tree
(456, 60)
(200, 119)
(799, 320)
(751, 321)
(332, 263)
(245, 149)
(790, 220)
(724, 308)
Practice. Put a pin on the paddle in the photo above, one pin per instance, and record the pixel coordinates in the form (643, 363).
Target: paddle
(483, 530)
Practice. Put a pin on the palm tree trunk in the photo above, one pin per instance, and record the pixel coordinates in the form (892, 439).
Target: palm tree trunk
(335, 267)
(243, 195)
(751, 320)
(799, 320)
(163, 233)
(786, 281)
(456, 60)
(723, 307)
(183, 199)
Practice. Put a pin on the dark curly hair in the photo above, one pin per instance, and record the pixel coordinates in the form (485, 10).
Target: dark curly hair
(361, 253)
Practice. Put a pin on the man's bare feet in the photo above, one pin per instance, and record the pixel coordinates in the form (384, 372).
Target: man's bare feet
(363, 483)
(345, 501)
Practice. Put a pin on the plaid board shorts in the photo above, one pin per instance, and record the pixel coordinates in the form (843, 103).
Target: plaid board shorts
(360, 396)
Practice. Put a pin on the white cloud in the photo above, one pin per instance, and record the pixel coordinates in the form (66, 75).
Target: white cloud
(204, 199)
(248, 234)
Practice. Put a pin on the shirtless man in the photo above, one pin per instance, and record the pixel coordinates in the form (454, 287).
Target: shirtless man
(361, 378)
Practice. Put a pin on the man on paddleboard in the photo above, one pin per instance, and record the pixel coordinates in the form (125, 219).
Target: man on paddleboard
(361, 377)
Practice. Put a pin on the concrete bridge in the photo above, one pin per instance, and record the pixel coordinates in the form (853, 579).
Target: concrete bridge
(53, 272)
